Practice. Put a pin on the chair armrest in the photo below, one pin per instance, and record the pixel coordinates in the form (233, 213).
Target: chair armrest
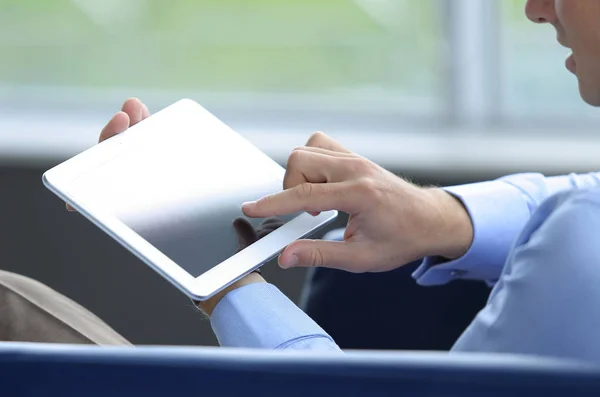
(64, 370)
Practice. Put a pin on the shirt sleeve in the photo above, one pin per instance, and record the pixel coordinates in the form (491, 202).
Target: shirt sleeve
(499, 210)
(259, 315)
(545, 303)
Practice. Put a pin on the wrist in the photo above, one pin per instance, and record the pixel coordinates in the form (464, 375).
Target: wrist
(453, 225)
(209, 305)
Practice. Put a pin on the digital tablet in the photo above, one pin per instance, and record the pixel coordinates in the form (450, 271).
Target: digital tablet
(170, 188)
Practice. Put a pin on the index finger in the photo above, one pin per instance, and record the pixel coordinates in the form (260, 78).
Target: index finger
(308, 197)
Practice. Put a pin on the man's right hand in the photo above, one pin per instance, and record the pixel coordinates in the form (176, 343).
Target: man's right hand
(392, 222)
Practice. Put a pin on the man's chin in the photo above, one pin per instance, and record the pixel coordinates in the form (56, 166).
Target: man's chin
(591, 95)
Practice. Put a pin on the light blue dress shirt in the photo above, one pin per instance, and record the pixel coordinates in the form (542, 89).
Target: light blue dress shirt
(536, 239)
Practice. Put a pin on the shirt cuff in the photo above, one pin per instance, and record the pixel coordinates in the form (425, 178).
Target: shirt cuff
(498, 213)
(259, 315)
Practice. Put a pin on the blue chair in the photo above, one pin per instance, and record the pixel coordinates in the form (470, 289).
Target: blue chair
(28, 369)
(394, 312)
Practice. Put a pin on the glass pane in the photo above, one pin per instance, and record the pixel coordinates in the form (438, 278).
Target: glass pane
(362, 54)
(536, 82)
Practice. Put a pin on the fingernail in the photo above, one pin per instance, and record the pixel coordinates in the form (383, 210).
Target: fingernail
(291, 262)
(248, 205)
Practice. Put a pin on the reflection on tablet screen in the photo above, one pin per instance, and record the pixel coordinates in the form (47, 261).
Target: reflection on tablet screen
(186, 214)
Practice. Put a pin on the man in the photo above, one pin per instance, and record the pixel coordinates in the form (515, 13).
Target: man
(536, 239)
(546, 283)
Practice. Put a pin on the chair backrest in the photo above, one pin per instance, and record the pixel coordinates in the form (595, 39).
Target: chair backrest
(61, 370)
(333, 297)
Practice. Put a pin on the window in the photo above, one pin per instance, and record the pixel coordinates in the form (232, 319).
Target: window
(423, 84)
(276, 57)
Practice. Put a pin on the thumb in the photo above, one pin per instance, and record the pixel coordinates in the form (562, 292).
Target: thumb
(318, 253)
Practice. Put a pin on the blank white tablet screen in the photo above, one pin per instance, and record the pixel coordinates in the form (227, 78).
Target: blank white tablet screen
(180, 194)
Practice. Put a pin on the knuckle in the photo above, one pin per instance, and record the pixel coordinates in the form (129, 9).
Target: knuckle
(295, 156)
(130, 101)
(293, 173)
(368, 187)
(317, 138)
(317, 259)
(362, 166)
(305, 190)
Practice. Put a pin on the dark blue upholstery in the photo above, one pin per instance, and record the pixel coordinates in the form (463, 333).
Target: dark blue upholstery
(389, 310)
(62, 370)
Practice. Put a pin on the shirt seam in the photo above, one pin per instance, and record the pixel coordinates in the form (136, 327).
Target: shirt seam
(300, 339)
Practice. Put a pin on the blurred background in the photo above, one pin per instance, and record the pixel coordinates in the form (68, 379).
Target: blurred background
(440, 91)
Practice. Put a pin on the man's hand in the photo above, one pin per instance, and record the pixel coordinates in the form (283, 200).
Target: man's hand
(392, 222)
(132, 112)
(246, 235)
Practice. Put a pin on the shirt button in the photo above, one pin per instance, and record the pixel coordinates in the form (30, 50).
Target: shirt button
(458, 273)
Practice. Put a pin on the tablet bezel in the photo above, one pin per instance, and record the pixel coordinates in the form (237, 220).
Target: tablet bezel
(59, 178)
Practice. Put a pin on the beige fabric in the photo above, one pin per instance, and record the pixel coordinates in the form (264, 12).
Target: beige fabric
(32, 312)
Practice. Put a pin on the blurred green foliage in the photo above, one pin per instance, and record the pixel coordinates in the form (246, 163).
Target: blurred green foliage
(224, 45)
